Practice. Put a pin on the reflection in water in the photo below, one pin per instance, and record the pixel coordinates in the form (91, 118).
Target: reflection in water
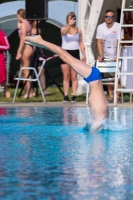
(3, 111)
(68, 117)
(45, 153)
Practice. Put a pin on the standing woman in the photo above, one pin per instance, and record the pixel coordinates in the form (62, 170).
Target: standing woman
(25, 51)
(4, 46)
(71, 42)
(39, 53)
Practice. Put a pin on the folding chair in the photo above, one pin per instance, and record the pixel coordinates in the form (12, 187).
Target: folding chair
(108, 66)
(105, 67)
(37, 75)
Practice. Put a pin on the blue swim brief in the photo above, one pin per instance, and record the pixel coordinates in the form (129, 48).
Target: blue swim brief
(95, 75)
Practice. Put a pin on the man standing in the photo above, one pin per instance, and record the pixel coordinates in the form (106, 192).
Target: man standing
(131, 4)
(107, 38)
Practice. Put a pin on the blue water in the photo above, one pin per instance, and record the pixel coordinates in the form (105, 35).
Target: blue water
(51, 154)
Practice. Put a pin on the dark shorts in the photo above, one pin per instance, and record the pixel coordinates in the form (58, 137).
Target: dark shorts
(74, 53)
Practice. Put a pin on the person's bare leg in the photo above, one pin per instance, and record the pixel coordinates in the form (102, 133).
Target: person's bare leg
(119, 93)
(110, 91)
(7, 92)
(80, 67)
(74, 82)
(25, 62)
(97, 98)
(25, 73)
(42, 78)
(66, 78)
(43, 81)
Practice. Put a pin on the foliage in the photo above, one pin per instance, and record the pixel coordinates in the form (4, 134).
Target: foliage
(56, 96)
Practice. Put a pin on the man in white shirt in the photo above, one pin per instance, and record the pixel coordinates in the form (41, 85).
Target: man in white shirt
(131, 4)
(107, 37)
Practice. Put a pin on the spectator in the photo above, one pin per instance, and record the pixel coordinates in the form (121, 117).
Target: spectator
(131, 4)
(71, 41)
(107, 38)
(4, 45)
(39, 53)
(25, 51)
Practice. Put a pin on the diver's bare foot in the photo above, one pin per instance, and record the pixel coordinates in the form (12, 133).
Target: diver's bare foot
(34, 39)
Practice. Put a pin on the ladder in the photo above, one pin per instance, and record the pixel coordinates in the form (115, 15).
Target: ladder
(120, 57)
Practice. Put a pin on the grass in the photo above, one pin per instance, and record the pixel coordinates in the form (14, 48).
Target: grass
(56, 96)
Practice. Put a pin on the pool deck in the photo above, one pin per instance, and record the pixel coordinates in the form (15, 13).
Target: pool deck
(57, 104)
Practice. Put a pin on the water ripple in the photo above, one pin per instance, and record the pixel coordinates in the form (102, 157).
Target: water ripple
(50, 153)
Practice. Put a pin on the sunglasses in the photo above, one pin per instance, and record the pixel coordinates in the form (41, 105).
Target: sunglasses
(110, 17)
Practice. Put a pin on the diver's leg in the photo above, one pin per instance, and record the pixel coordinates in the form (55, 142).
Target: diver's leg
(91, 74)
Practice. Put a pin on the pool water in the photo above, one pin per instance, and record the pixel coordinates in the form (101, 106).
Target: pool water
(51, 154)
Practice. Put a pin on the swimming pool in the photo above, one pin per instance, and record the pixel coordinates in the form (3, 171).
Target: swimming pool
(50, 154)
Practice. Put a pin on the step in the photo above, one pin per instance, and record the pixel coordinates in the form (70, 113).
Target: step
(124, 57)
(124, 90)
(125, 73)
(127, 25)
(127, 9)
(126, 41)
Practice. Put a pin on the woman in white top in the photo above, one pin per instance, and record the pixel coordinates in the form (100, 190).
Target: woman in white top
(71, 42)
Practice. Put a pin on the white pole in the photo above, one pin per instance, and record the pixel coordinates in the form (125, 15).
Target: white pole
(88, 15)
